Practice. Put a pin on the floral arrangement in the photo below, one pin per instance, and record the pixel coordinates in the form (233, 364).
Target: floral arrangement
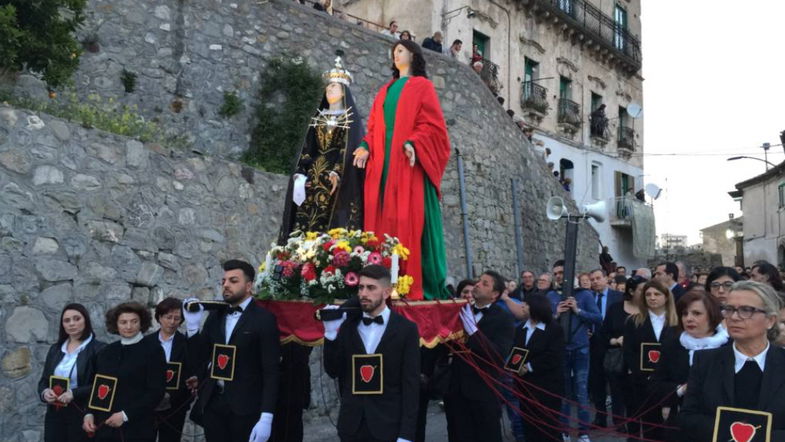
(326, 266)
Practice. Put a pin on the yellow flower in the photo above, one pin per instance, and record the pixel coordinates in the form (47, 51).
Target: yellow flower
(310, 236)
(337, 232)
(344, 245)
(404, 284)
(262, 267)
(401, 251)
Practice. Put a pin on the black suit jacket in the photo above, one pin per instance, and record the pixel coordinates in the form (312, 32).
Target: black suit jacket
(255, 386)
(140, 369)
(711, 384)
(492, 342)
(181, 354)
(546, 356)
(599, 338)
(633, 337)
(677, 291)
(85, 368)
(672, 371)
(394, 413)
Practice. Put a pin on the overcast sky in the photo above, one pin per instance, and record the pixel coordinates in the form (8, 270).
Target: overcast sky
(714, 87)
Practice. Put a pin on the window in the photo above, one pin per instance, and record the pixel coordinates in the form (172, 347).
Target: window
(624, 184)
(596, 101)
(566, 6)
(781, 194)
(531, 72)
(619, 27)
(596, 181)
(483, 43)
(623, 116)
(565, 88)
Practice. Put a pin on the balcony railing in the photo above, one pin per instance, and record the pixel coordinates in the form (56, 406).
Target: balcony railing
(534, 97)
(589, 19)
(626, 137)
(621, 210)
(569, 112)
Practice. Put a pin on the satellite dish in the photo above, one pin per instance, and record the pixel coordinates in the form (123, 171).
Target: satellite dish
(634, 110)
(653, 190)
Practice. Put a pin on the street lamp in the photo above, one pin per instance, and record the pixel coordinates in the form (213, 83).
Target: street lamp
(768, 163)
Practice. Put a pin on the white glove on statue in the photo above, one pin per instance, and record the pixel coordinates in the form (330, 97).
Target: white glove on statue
(192, 319)
(261, 431)
(298, 192)
(467, 317)
(331, 327)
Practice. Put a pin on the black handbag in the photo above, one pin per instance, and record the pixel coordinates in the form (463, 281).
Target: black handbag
(613, 363)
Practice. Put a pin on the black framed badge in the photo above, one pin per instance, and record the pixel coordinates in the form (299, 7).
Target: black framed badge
(367, 374)
(102, 394)
(223, 362)
(516, 359)
(59, 384)
(173, 370)
(650, 355)
(741, 425)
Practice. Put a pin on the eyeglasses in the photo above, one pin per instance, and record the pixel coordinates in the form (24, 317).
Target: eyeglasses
(745, 311)
(726, 285)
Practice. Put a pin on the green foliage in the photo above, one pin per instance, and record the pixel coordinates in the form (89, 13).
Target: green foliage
(39, 35)
(129, 81)
(101, 114)
(231, 106)
(289, 92)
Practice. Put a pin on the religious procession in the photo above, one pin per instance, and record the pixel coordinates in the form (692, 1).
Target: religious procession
(357, 285)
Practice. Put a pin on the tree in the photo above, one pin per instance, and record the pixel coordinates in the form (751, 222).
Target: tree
(38, 35)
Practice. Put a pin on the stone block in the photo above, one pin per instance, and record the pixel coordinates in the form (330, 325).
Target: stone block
(45, 246)
(85, 182)
(56, 296)
(54, 270)
(135, 154)
(60, 130)
(141, 295)
(16, 364)
(149, 274)
(47, 175)
(16, 161)
(27, 324)
(105, 230)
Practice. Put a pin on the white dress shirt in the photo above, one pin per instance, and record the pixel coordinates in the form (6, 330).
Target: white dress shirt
(372, 334)
(657, 323)
(167, 345)
(530, 328)
(232, 318)
(66, 368)
(741, 358)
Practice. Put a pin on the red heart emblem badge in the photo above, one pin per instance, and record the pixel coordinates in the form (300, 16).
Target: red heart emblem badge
(103, 390)
(57, 389)
(169, 375)
(366, 372)
(516, 359)
(654, 356)
(741, 432)
(222, 361)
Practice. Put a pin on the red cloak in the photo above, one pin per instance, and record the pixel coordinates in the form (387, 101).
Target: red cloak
(419, 120)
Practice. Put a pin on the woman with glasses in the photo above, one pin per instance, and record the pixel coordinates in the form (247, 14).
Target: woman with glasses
(719, 282)
(644, 334)
(747, 374)
(699, 319)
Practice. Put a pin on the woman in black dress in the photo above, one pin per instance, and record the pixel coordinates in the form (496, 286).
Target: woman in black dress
(140, 369)
(71, 357)
(652, 325)
(542, 370)
(699, 320)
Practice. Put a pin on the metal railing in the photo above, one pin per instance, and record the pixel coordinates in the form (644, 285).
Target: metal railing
(603, 28)
(534, 96)
(626, 137)
(569, 112)
(621, 208)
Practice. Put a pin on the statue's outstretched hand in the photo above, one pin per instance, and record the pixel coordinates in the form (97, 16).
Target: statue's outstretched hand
(408, 149)
(334, 179)
(361, 157)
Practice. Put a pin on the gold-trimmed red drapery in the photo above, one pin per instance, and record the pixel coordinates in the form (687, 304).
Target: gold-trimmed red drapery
(437, 321)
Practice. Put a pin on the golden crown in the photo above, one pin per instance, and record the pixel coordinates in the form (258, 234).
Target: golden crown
(338, 74)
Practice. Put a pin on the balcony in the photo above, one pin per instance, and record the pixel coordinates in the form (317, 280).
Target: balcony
(569, 116)
(534, 100)
(626, 138)
(622, 211)
(588, 25)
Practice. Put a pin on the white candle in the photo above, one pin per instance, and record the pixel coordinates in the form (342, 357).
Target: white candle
(394, 269)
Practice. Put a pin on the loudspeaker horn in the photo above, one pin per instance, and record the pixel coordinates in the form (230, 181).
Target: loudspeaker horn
(595, 211)
(555, 208)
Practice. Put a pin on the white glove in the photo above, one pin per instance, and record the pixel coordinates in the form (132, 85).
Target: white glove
(298, 192)
(467, 317)
(192, 319)
(331, 327)
(408, 150)
(261, 431)
(400, 439)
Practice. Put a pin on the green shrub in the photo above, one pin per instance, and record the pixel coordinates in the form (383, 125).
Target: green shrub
(39, 36)
(231, 106)
(288, 95)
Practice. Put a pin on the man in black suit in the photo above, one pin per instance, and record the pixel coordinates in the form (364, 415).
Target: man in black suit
(473, 408)
(598, 382)
(376, 359)
(667, 273)
(242, 408)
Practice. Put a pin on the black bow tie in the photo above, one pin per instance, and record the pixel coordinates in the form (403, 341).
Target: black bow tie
(368, 321)
(478, 310)
(231, 310)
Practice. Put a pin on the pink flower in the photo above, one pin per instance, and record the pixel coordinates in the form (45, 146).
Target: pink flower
(351, 279)
(358, 250)
(341, 258)
(287, 269)
(308, 271)
(375, 258)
